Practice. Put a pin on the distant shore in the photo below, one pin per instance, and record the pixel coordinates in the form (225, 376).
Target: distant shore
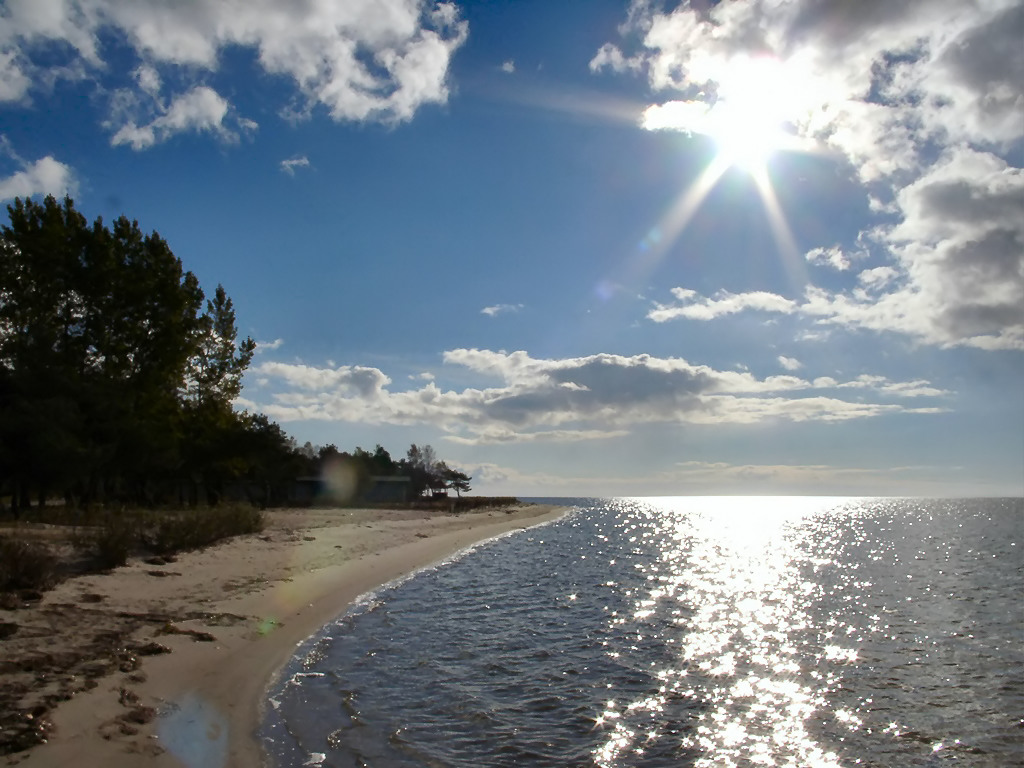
(204, 634)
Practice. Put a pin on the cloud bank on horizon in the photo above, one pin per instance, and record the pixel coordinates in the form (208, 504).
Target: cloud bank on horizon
(922, 102)
(556, 400)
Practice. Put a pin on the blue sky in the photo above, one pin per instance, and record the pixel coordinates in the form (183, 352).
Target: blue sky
(581, 248)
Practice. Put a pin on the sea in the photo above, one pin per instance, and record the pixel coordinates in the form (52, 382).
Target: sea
(684, 631)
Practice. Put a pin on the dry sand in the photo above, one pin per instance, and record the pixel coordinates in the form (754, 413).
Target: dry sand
(230, 615)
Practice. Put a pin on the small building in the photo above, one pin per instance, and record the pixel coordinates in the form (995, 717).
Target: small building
(305, 490)
(383, 489)
(388, 489)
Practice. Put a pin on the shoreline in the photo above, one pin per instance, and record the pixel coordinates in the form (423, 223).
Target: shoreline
(232, 616)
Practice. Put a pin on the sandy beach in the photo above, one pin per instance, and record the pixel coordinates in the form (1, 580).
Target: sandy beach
(167, 664)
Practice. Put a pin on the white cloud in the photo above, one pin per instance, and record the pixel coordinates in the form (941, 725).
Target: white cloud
(361, 381)
(360, 60)
(289, 165)
(789, 363)
(978, 77)
(594, 397)
(832, 257)
(920, 388)
(268, 346)
(698, 307)
(877, 278)
(718, 477)
(688, 116)
(508, 66)
(498, 309)
(498, 435)
(610, 57)
(796, 478)
(505, 480)
(959, 281)
(45, 176)
(201, 110)
(925, 101)
(148, 79)
(815, 335)
(14, 81)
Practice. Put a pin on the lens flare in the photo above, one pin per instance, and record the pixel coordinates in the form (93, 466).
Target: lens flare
(196, 733)
(339, 481)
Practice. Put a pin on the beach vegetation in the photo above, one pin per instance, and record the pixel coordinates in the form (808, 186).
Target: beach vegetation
(26, 564)
(112, 541)
(195, 528)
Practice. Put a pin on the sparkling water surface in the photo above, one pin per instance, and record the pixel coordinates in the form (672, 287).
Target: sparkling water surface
(685, 632)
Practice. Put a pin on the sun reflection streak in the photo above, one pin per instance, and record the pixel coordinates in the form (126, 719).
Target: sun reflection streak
(734, 570)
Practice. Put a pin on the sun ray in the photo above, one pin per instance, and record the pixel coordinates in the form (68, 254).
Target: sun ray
(751, 116)
(789, 254)
(675, 219)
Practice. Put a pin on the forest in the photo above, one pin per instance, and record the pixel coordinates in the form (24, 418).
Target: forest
(118, 376)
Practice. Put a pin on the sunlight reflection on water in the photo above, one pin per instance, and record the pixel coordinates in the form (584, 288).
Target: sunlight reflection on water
(662, 633)
(732, 567)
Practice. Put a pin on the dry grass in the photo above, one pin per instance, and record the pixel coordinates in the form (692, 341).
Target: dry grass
(26, 564)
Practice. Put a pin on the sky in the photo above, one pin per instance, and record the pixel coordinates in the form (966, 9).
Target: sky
(583, 247)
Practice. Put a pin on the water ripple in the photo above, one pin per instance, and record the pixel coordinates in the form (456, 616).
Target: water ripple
(686, 632)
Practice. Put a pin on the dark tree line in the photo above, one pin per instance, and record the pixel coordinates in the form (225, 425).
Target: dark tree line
(117, 376)
(425, 472)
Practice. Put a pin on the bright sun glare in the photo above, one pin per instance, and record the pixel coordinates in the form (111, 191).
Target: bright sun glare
(755, 99)
(744, 138)
(746, 121)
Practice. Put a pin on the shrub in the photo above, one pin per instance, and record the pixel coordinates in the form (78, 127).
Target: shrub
(113, 540)
(26, 565)
(241, 519)
(195, 528)
(473, 503)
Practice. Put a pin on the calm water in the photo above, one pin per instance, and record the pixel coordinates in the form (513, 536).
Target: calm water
(685, 632)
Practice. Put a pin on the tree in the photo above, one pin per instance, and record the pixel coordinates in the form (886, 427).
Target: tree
(213, 379)
(41, 343)
(381, 463)
(270, 460)
(216, 365)
(454, 479)
(141, 320)
(420, 465)
(113, 384)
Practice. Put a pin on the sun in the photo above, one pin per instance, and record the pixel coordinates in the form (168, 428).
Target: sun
(744, 138)
(753, 109)
(746, 121)
(754, 101)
